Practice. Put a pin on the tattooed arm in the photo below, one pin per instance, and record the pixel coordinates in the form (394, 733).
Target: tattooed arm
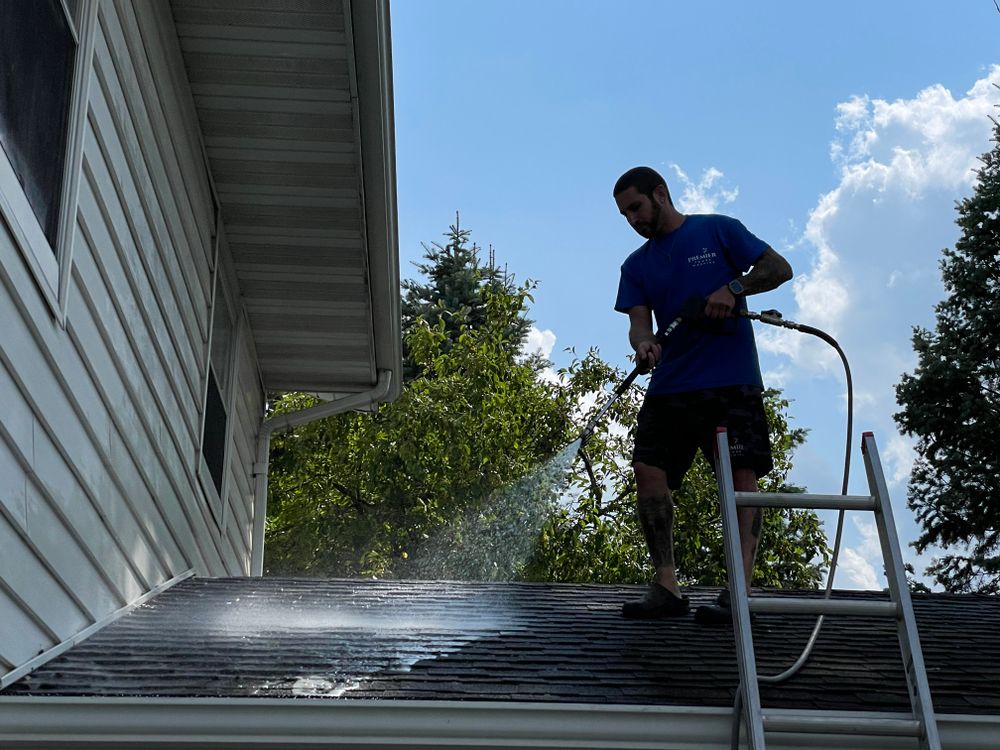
(769, 272)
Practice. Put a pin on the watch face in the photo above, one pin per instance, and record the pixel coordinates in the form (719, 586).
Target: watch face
(736, 287)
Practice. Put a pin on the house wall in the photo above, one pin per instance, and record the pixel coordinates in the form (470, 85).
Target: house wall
(101, 418)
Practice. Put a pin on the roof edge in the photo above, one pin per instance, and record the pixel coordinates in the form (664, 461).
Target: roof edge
(60, 648)
(369, 25)
(35, 722)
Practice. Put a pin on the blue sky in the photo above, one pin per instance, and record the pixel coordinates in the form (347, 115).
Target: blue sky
(840, 133)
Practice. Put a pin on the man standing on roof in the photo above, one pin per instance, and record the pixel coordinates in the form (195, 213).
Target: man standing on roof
(705, 374)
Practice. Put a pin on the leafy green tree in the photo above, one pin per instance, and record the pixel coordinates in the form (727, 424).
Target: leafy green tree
(595, 536)
(951, 402)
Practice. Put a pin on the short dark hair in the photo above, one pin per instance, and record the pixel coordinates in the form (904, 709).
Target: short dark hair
(643, 179)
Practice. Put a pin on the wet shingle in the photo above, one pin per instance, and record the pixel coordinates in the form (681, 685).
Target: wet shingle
(343, 639)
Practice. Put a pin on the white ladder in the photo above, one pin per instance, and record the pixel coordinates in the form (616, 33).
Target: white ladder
(899, 606)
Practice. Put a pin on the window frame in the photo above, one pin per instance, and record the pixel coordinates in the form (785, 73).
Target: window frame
(216, 498)
(50, 266)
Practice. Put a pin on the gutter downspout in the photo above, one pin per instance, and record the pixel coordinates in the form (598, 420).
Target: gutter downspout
(282, 422)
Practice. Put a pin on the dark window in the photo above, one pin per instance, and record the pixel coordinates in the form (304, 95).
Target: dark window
(37, 51)
(213, 441)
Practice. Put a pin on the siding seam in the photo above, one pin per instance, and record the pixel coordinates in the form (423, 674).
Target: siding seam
(186, 468)
(31, 476)
(179, 339)
(142, 417)
(57, 375)
(56, 576)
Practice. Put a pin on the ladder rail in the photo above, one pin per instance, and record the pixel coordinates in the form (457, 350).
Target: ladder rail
(899, 591)
(739, 595)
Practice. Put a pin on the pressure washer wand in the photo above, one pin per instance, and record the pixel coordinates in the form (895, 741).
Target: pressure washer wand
(588, 431)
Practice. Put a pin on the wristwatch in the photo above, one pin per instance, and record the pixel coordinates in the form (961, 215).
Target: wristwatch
(736, 287)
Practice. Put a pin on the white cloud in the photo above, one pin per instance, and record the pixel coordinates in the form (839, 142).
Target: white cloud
(776, 377)
(869, 270)
(704, 196)
(902, 164)
(539, 342)
(861, 564)
(542, 341)
(899, 457)
(859, 572)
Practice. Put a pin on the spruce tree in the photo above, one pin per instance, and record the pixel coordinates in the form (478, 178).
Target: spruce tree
(951, 402)
(455, 289)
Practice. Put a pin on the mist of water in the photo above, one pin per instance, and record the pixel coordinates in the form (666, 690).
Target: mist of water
(497, 540)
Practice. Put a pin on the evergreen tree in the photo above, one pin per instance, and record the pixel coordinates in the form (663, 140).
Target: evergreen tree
(454, 291)
(951, 402)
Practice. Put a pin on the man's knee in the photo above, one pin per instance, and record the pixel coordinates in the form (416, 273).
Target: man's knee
(649, 479)
(745, 480)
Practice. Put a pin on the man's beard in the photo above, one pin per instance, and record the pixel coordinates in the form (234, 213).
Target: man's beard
(648, 228)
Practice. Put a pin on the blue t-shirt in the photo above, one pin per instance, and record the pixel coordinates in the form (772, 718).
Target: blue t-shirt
(706, 252)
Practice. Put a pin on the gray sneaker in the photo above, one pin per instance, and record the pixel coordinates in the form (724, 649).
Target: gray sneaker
(720, 613)
(658, 602)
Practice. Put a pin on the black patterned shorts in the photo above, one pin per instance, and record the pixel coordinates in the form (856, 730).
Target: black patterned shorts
(673, 426)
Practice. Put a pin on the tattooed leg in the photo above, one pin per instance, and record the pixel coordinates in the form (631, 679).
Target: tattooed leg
(656, 516)
(756, 526)
(751, 521)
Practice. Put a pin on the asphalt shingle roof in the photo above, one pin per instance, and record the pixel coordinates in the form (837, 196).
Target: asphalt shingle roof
(345, 639)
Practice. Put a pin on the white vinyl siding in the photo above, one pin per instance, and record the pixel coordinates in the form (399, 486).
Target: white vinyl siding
(99, 438)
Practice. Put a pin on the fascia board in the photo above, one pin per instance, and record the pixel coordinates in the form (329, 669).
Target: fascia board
(372, 70)
(34, 722)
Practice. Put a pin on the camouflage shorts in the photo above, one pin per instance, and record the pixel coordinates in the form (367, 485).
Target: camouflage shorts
(673, 426)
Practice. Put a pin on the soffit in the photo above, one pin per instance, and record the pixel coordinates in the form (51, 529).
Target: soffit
(272, 82)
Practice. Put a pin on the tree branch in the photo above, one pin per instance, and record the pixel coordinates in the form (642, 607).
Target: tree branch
(360, 504)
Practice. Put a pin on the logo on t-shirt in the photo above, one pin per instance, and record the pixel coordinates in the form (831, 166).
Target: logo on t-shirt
(705, 258)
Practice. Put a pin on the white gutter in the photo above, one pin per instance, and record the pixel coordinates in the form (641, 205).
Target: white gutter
(189, 723)
(370, 64)
(364, 400)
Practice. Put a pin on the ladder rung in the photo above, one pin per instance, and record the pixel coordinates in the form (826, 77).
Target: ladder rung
(799, 606)
(841, 725)
(804, 500)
